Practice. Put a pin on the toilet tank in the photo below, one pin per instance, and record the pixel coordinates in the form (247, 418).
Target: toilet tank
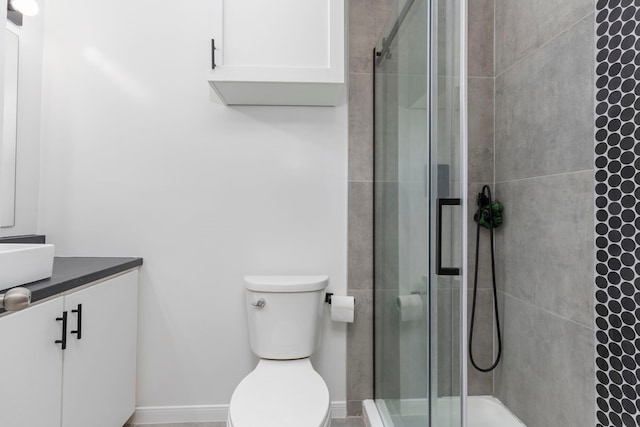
(285, 315)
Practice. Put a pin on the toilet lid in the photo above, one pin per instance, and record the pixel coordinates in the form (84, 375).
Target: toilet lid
(280, 393)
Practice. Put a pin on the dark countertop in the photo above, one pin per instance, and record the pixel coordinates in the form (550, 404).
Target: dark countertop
(72, 272)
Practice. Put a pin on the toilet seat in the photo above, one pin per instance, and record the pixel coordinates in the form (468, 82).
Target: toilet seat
(281, 393)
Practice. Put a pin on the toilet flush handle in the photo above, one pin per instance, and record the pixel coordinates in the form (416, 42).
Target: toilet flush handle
(260, 304)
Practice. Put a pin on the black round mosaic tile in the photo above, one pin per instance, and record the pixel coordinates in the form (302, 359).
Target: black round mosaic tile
(617, 188)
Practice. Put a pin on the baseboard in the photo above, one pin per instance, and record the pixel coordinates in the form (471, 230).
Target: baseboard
(200, 413)
(338, 409)
(179, 414)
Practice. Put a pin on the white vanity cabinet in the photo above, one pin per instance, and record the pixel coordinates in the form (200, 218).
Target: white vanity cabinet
(92, 381)
(288, 52)
(31, 364)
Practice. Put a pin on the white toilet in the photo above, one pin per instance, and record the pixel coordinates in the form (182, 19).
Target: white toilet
(285, 319)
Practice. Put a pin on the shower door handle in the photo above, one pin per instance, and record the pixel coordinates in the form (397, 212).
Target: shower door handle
(440, 270)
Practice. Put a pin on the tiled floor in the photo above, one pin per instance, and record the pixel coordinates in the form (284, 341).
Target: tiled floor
(336, 422)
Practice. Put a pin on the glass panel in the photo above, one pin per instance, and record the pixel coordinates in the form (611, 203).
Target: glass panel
(417, 169)
(446, 290)
(402, 220)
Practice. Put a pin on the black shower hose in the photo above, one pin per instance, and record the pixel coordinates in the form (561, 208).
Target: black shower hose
(486, 194)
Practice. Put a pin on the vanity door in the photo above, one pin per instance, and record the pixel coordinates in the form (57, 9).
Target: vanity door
(100, 361)
(31, 363)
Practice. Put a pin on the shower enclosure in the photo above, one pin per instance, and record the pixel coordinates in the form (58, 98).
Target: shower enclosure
(420, 216)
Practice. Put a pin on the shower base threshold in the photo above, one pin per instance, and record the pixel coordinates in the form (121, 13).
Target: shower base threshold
(488, 411)
(482, 411)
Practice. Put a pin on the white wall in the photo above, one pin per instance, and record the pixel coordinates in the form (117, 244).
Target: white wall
(140, 159)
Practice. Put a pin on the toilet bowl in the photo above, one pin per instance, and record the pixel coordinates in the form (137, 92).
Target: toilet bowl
(285, 318)
(279, 393)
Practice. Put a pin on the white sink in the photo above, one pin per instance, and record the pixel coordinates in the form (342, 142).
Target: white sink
(22, 263)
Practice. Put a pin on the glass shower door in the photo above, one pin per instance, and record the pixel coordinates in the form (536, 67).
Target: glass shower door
(418, 244)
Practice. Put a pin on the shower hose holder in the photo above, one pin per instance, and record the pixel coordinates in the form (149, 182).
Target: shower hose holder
(489, 213)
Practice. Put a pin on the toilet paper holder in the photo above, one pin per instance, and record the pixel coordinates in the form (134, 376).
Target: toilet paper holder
(327, 298)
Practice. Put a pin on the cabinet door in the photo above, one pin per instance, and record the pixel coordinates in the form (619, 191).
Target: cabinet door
(31, 362)
(99, 376)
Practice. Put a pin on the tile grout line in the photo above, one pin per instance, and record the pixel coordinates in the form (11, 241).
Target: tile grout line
(564, 31)
(547, 311)
(546, 176)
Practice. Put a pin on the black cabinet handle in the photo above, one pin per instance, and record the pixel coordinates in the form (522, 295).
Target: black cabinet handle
(63, 341)
(78, 331)
(213, 54)
(440, 270)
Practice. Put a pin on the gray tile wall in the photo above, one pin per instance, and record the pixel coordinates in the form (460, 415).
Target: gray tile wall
(480, 172)
(544, 90)
(366, 22)
(524, 26)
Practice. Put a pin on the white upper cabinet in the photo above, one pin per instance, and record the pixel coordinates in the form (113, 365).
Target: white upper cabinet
(284, 52)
